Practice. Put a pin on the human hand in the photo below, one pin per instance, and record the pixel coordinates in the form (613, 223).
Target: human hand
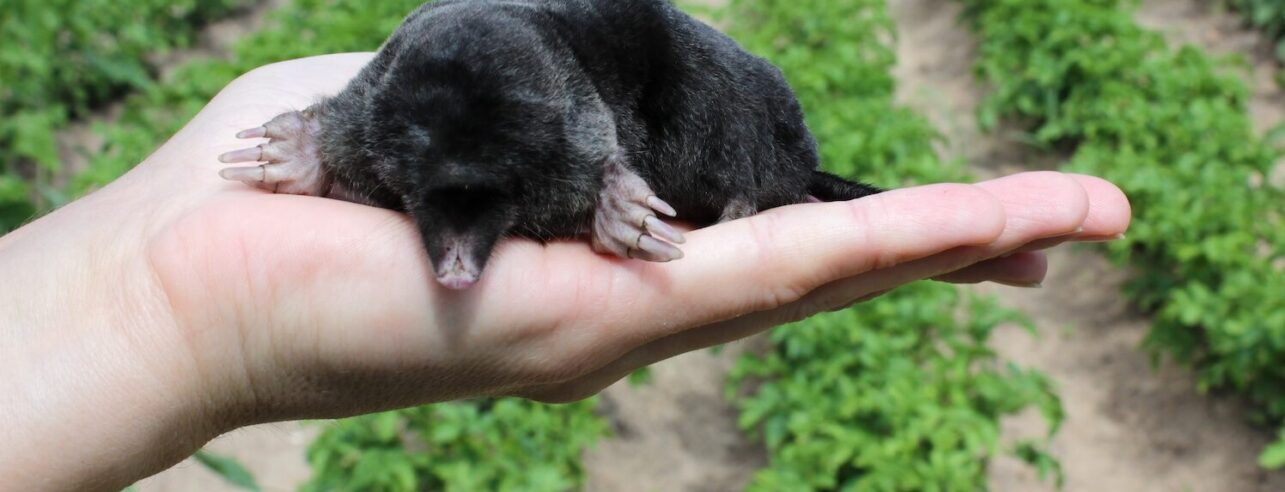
(189, 305)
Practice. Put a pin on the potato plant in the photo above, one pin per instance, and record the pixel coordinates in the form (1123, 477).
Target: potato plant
(1171, 127)
(1267, 16)
(61, 58)
(501, 445)
(900, 393)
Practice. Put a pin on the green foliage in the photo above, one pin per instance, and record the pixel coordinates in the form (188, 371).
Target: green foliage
(302, 28)
(1274, 455)
(1268, 16)
(60, 58)
(900, 393)
(501, 445)
(1171, 128)
(230, 469)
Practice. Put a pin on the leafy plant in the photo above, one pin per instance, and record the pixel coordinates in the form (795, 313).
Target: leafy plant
(1172, 129)
(900, 393)
(301, 28)
(897, 395)
(1266, 15)
(62, 57)
(502, 445)
(231, 470)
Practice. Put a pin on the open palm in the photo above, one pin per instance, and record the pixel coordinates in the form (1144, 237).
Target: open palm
(306, 307)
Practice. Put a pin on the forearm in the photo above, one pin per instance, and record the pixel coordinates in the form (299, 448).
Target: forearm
(94, 394)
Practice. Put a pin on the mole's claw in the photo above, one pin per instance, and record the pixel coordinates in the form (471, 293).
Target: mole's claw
(253, 154)
(253, 174)
(660, 206)
(662, 230)
(259, 132)
(657, 250)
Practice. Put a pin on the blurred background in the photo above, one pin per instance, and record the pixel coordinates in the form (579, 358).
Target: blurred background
(1153, 363)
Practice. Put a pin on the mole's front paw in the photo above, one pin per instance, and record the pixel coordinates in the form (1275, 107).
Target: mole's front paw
(291, 156)
(625, 221)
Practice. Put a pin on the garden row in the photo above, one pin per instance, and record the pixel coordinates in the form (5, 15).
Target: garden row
(900, 393)
(61, 58)
(1171, 128)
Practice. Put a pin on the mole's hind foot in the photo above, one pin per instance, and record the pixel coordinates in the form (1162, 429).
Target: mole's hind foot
(291, 157)
(625, 222)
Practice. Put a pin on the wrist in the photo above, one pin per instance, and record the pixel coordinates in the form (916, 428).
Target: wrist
(100, 389)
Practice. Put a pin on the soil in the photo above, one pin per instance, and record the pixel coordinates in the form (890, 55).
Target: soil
(677, 433)
(1129, 426)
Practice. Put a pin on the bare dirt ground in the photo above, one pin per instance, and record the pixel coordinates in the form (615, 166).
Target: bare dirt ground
(1129, 427)
(677, 433)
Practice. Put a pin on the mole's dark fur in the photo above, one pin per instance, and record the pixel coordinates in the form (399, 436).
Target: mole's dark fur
(490, 117)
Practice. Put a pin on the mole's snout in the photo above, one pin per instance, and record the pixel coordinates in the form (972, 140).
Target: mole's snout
(457, 268)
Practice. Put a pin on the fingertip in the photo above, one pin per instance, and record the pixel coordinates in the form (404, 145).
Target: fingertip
(1049, 203)
(1110, 212)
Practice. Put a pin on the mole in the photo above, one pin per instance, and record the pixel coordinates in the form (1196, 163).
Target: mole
(550, 119)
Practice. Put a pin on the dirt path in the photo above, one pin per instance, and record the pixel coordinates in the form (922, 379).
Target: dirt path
(1128, 427)
(676, 433)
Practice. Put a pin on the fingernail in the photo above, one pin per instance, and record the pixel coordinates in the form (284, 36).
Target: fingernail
(660, 206)
(662, 230)
(1031, 285)
(1116, 237)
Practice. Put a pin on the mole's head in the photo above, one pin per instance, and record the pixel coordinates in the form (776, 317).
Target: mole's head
(461, 150)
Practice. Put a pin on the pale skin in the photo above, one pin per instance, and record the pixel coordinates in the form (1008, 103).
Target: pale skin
(171, 306)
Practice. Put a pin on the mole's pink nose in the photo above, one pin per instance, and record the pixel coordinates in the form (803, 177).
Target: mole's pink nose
(457, 273)
(456, 281)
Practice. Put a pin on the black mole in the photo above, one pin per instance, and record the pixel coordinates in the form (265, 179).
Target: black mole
(551, 119)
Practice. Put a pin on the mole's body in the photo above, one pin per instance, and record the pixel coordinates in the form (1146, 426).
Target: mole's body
(551, 119)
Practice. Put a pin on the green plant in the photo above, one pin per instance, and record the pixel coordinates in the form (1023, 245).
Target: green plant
(1266, 15)
(231, 470)
(301, 28)
(502, 445)
(1171, 128)
(900, 393)
(63, 57)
